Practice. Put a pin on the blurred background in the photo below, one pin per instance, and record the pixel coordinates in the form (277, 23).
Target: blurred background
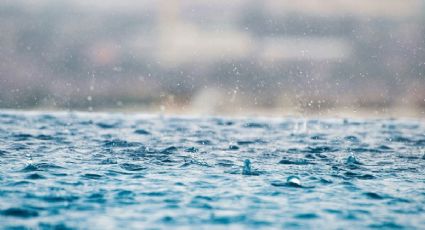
(279, 57)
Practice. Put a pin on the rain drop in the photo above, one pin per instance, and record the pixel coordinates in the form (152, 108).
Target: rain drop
(294, 181)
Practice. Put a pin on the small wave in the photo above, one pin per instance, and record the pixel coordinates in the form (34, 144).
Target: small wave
(92, 176)
(19, 212)
(293, 161)
(142, 132)
(40, 167)
(132, 167)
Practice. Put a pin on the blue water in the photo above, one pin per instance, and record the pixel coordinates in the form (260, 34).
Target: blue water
(112, 171)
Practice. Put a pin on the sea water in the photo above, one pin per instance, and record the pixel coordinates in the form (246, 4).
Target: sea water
(114, 171)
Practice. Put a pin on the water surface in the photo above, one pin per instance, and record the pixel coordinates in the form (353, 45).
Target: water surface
(112, 171)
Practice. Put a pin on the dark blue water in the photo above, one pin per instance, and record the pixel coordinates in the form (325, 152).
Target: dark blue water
(101, 171)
